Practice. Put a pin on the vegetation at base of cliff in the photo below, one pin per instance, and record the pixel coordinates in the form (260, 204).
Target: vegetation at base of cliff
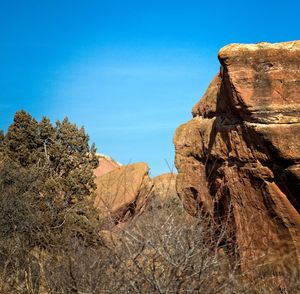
(61, 152)
(46, 198)
(52, 240)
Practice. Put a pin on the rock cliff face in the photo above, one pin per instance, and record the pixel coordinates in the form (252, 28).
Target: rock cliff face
(238, 159)
(124, 192)
(106, 164)
(164, 187)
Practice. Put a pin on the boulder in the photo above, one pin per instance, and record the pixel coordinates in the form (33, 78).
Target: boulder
(165, 195)
(106, 164)
(164, 187)
(124, 192)
(238, 158)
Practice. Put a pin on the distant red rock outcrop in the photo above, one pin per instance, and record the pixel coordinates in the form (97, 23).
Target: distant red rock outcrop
(106, 164)
(124, 192)
(238, 159)
(164, 187)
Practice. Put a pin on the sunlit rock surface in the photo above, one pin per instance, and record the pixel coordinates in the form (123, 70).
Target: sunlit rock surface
(124, 192)
(106, 164)
(238, 158)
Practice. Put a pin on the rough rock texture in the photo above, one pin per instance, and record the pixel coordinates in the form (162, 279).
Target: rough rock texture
(164, 187)
(238, 159)
(123, 192)
(106, 164)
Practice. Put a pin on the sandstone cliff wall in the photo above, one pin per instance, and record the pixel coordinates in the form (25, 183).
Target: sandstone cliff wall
(238, 159)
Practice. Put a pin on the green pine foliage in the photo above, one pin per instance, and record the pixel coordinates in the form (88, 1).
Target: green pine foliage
(62, 150)
(20, 142)
(46, 200)
(1, 143)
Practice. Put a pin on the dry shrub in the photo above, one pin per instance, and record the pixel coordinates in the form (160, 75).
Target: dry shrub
(165, 251)
(161, 251)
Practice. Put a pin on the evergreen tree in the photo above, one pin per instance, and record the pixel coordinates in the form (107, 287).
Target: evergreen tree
(1, 143)
(73, 160)
(46, 178)
(62, 151)
(21, 139)
(46, 135)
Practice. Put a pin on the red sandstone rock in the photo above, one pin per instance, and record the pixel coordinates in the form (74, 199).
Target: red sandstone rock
(124, 192)
(238, 158)
(164, 186)
(106, 164)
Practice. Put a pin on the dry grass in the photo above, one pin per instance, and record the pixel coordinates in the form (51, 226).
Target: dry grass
(161, 251)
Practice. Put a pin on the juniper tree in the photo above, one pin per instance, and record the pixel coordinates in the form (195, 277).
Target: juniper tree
(20, 142)
(73, 160)
(46, 178)
(1, 143)
(62, 150)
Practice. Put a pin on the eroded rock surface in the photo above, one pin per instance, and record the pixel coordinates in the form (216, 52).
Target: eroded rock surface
(238, 159)
(164, 187)
(165, 195)
(124, 192)
(106, 164)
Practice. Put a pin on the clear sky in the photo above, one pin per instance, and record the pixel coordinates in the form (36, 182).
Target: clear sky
(129, 71)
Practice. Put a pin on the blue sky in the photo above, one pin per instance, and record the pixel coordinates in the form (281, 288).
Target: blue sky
(129, 71)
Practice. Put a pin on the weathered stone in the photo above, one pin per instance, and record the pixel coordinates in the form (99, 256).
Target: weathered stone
(238, 158)
(106, 164)
(206, 107)
(124, 192)
(262, 81)
(164, 187)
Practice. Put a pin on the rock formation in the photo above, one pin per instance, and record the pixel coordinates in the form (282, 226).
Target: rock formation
(124, 192)
(106, 164)
(164, 187)
(238, 159)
